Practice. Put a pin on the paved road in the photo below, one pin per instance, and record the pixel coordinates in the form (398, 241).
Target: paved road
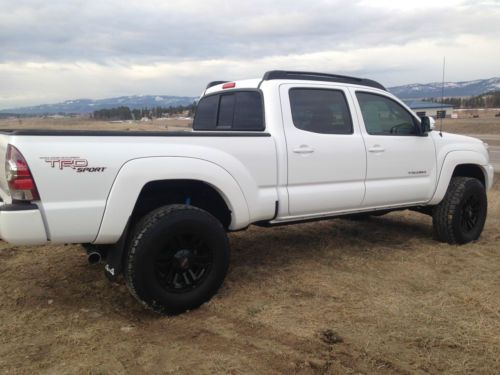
(494, 150)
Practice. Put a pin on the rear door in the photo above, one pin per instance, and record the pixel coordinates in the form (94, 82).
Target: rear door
(401, 163)
(326, 153)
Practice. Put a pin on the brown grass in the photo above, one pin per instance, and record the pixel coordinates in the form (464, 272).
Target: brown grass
(399, 301)
(88, 124)
(486, 123)
(339, 296)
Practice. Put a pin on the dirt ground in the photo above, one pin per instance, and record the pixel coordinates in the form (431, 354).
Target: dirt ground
(350, 297)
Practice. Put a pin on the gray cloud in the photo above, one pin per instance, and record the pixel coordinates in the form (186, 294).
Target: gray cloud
(120, 40)
(175, 30)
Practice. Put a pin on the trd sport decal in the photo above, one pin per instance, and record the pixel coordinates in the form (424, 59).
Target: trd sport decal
(76, 163)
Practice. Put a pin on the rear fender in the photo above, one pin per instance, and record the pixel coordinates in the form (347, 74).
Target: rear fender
(135, 174)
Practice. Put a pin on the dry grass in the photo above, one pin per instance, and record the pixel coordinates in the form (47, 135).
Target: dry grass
(339, 296)
(400, 302)
(88, 124)
(486, 123)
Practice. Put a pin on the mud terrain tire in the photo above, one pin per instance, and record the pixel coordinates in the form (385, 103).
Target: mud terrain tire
(461, 215)
(177, 258)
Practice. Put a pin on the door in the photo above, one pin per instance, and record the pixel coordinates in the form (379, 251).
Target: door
(401, 163)
(326, 154)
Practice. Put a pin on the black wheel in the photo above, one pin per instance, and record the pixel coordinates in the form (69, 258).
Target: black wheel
(460, 217)
(177, 259)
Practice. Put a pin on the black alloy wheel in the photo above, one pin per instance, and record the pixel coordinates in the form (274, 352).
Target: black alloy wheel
(184, 263)
(470, 215)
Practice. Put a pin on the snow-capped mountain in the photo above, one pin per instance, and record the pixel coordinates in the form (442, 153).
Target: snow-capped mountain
(412, 91)
(82, 106)
(433, 90)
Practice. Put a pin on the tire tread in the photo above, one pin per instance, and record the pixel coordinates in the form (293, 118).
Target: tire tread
(140, 229)
(445, 211)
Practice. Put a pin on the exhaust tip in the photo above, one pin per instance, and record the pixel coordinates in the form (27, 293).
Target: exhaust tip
(94, 257)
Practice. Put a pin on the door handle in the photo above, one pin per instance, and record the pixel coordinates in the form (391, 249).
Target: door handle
(303, 149)
(376, 148)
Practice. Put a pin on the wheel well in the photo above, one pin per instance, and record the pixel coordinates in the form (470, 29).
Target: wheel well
(196, 193)
(469, 170)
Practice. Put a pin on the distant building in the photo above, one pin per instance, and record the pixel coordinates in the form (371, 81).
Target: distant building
(436, 110)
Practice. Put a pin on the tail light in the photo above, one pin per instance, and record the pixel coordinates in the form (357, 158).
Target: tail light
(21, 183)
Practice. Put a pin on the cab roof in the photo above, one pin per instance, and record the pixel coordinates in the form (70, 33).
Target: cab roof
(294, 75)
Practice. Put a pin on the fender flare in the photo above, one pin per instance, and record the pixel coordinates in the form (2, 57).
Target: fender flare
(450, 162)
(136, 173)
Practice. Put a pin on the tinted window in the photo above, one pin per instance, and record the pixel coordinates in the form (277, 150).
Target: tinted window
(320, 111)
(248, 113)
(206, 113)
(383, 116)
(237, 110)
(226, 111)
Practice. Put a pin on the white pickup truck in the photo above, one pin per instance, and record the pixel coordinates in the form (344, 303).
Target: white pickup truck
(286, 148)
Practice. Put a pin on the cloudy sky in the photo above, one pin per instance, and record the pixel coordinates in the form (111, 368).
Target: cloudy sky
(54, 50)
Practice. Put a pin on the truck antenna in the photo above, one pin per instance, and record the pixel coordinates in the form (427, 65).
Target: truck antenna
(442, 100)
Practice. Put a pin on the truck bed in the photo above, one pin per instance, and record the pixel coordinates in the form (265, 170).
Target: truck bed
(75, 170)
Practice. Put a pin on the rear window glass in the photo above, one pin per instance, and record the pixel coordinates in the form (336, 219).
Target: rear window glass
(320, 111)
(206, 113)
(238, 110)
(226, 111)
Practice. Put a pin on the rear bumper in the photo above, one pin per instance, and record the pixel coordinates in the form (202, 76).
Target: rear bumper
(22, 224)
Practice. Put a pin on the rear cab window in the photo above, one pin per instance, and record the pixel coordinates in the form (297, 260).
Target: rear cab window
(240, 110)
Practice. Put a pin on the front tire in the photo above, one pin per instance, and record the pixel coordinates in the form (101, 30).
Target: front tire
(460, 217)
(177, 259)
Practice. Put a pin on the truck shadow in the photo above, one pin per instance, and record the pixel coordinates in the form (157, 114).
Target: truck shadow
(256, 255)
(361, 238)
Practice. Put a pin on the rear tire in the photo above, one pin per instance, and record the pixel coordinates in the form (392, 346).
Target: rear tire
(177, 259)
(461, 215)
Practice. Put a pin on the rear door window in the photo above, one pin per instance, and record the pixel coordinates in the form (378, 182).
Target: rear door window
(320, 111)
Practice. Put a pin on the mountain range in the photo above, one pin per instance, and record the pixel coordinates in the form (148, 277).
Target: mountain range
(83, 106)
(413, 91)
(451, 89)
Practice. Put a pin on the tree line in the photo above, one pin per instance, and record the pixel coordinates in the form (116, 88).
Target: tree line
(125, 113)
(487, 100)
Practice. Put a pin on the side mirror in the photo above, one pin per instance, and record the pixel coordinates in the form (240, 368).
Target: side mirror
(427, 124)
